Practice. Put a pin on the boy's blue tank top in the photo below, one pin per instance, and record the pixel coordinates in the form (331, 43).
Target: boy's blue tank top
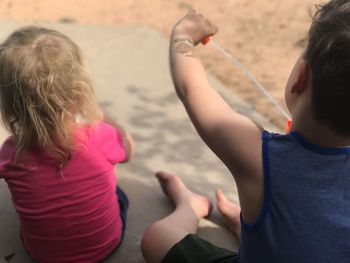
(306, 211)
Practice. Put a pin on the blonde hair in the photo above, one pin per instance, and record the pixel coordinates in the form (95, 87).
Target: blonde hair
(44, 88)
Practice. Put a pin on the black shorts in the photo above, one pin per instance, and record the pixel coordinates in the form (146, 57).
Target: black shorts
(193, 249)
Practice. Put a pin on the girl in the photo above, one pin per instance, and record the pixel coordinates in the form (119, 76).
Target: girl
(59, 160)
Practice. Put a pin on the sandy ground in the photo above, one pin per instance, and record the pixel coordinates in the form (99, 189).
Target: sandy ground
(266, 36)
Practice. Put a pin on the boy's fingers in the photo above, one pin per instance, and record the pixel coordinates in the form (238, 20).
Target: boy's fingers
(209, 23)
(215, 29)
(220, 194)
(212, 27)
(196, 26)
(192, 11)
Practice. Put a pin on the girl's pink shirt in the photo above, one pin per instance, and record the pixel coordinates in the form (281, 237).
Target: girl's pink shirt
(70, 215)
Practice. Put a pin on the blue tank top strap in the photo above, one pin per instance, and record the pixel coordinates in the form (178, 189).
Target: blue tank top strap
(319, 149)
(265, 207)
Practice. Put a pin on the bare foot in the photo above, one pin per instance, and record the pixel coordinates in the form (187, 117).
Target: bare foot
(179, 194)
(230, 211)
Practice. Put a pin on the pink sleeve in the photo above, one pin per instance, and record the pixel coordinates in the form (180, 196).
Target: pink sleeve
(110, 142)
(7, 152)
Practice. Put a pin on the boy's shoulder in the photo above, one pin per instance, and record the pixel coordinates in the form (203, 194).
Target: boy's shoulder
(295, 143)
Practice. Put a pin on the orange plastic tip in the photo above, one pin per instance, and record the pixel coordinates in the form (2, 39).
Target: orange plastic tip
(288, 126)
(206, 40)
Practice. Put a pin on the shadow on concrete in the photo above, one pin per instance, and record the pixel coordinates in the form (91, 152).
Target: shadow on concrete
(166, 140)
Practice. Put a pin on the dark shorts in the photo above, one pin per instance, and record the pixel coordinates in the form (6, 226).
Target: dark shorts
(193, 249)
(123, 205)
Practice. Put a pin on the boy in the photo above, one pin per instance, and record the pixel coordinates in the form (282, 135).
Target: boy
(294, 188)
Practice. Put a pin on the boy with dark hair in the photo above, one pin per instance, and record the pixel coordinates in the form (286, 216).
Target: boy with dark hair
(328, 55)
(294, 189)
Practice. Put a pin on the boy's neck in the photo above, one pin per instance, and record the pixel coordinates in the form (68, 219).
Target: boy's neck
(317, 133)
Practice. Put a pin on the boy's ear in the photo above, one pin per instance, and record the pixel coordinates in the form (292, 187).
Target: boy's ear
(303, 76)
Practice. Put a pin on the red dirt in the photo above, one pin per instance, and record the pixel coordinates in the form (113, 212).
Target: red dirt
(266, 36)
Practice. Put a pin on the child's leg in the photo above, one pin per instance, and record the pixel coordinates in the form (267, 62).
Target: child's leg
(231, 213)
(162, 235)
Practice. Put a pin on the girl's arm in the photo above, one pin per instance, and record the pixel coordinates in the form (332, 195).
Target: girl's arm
(234, 138)
(128, 141)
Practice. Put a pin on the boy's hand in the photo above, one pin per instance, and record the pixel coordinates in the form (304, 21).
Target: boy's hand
(195, 26)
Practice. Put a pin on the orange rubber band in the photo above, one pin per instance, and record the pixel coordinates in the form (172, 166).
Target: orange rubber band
(206, 40)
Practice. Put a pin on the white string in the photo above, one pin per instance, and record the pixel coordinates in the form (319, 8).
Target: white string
(251, 77)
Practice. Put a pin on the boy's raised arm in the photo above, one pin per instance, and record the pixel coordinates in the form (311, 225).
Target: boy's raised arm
(235, 139)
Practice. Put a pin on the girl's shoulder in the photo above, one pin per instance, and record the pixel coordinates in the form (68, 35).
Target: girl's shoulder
(105, 138)
(7, 154)
(95, 131)
(8, 149)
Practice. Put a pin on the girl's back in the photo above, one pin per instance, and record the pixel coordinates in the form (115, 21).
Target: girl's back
(70, 215)
(59, 161)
